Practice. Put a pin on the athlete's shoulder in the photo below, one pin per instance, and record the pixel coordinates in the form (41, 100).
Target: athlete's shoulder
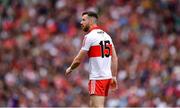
(95, 32)
(91, 34)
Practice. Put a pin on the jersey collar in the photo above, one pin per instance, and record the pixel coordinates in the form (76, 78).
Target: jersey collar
(93, 28)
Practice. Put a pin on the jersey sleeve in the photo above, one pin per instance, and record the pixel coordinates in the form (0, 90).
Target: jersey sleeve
(112, 43)
(86, 43)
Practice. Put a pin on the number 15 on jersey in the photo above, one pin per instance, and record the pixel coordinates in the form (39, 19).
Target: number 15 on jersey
(105, 48)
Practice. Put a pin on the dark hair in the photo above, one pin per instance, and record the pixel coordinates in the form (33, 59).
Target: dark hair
(91, 14)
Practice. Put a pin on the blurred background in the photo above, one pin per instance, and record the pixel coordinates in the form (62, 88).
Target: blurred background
(40, 38)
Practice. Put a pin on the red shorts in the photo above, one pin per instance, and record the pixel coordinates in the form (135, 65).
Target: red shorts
(99, 87)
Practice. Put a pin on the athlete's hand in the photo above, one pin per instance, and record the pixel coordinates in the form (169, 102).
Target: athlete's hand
(68, 71)
(113, 84)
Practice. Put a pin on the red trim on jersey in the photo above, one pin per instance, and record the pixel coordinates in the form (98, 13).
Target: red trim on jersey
(93, 28)
(95, 51)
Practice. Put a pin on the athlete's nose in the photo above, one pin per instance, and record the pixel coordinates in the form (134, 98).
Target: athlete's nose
(81, 22)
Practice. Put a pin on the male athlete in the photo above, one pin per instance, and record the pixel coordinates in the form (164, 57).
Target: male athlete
(102, 60)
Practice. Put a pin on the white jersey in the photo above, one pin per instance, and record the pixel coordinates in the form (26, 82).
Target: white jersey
(99, 46)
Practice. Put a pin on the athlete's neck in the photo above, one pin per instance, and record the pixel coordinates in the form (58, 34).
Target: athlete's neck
(95, 26)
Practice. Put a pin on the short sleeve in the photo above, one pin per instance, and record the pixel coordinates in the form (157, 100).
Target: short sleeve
(112, 43)
(86, 43)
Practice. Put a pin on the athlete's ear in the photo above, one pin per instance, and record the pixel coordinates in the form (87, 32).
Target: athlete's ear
(91, 20)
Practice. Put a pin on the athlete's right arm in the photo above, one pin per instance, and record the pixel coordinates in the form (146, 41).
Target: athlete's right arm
(76, 62)
(114, 68)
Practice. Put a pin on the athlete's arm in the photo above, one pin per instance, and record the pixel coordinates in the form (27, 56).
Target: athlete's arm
(114, 68)
(76, 62)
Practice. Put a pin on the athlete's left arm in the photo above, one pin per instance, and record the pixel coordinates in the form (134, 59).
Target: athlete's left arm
(76, 62)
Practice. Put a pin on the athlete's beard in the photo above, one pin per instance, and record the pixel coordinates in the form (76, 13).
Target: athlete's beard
(85, 28)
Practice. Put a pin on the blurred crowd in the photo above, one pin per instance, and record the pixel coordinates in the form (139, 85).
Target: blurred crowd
(39, 39)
